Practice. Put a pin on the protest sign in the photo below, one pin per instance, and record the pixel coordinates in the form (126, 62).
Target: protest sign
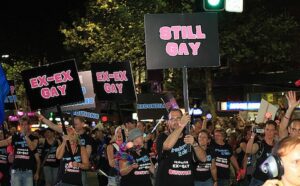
(51, 85)
(266, 111)
(181, 40)
(113, 81)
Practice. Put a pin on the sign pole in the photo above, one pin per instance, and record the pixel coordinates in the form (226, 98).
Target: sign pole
(64, 129)
(185, 89)
(186, 98)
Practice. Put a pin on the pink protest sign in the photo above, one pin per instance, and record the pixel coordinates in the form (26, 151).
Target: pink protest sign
(52, 85)
(181, 40)
(113, 81)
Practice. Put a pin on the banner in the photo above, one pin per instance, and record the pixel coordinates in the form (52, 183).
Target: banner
(181, 40)
(51, 85)
(113, 81)
(154, 106)
(150, 106)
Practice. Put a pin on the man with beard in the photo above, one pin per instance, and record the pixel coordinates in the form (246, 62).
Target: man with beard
(174, 158)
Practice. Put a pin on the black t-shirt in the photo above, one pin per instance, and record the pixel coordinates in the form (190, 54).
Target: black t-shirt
(141, 175)
(262, 154)
(51, 160)
(175, 167)
(69, 174)
(202, 169)
(23, 157)
(85, 140)
(4, 166)
(222, 154)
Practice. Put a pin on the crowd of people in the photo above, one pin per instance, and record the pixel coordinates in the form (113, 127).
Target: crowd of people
(223, 152)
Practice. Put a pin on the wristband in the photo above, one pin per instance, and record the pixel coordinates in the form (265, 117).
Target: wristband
(286, 117)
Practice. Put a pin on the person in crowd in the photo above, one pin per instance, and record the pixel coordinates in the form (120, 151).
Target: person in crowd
(112, 149)
(25, 155)
(130, 124)
(50, 163)
(241, 152)
(262, 150)
(174, 153)
(205, 173)
(135, 171)
(99, 157)
(294, 128)
(289, 154)
(73, 160)
(223, 157)
(4, 164)
(85, 139)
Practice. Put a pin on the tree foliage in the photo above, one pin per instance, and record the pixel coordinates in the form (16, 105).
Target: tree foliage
(13, 72)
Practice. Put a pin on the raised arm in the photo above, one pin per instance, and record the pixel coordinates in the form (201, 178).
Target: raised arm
(292, 102)
(61, 148)
(252, 147)
(173, 137)
(49, 123)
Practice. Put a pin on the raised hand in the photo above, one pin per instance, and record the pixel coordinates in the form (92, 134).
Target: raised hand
(292, 100)
(185, 119)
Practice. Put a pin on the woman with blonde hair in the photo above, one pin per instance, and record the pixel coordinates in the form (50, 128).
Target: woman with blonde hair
(112, 149)
(72, 161)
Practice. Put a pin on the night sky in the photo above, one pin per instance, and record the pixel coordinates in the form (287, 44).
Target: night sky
(30, 28)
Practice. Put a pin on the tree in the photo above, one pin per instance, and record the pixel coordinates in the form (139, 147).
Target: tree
(113, 30)
(13, 72)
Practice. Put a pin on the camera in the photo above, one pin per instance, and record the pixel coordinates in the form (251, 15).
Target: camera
(258, 130)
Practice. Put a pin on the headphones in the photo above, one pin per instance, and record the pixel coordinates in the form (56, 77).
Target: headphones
(272, 166)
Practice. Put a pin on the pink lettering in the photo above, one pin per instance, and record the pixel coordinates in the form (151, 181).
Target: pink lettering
(172, 49)
(120, 87)
(179, 173)
(117, 76)
(183, 50)
(54, 92)
(176, 31)
(165, 33)
(42, 81)
(123, 76)
(107, 88)
(34, 83)
(67, 76)
(58, 78)
(199, 33)
(62, 89)
(191, 35)
(184, 33)
(194, 47)
(45, 93)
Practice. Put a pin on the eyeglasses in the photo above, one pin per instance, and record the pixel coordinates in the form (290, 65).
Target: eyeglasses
(175, 119)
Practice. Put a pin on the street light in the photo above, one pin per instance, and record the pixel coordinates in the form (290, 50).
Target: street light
(5, 56)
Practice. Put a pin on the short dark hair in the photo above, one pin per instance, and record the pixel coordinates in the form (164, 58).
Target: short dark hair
(80, 118)
(176, 110)
(222, 131)
(271, 122)
(205, 131)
